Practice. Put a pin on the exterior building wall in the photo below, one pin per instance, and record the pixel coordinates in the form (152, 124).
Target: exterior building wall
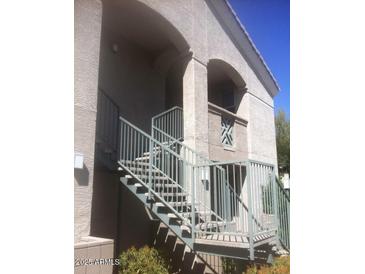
(202, 26)
(127, 77)
(217, 151)
(261, 128)
(87, 40)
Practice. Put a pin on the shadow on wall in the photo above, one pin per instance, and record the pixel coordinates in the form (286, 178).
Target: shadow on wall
(82, 176)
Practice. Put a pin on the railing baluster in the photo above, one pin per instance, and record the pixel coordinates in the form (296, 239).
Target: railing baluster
(250, 217)
(193, 203)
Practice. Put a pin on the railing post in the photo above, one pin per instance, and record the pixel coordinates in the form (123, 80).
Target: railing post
(193, 202)
(150, 170)
(250, 217)
(276, 209)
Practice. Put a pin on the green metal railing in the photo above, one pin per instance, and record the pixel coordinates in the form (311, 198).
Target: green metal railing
(268, 213)
(240, 198)
(154, 165)
(170, 122)
(168, 176)
(221, 185)
(283, 213)
(107, 124)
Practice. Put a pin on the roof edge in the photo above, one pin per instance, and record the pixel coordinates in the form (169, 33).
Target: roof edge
(235, 16)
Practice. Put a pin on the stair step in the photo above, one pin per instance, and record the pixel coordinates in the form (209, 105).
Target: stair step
(181, 204)
(142, 158)
(175, 204)
(178, 194)
(210, 225)
(172, 216)
(160, 178)
(137, 169)
(166, 185)
(133, 164)
(197, 213)
(188, 214)
(156, 152)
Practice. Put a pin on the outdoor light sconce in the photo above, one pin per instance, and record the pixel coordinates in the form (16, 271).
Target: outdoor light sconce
(79, 160)
(115, 47)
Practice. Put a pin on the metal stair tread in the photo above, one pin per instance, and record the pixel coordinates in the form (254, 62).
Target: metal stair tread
(165, 185)
(178, 194)
(211, 224)
(138, 168)
(160, 178)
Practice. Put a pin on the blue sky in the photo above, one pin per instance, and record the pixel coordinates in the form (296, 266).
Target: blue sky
(268, 23)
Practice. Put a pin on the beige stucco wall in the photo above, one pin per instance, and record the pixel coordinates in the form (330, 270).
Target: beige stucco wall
(128, 78)
(86, 56)
(261, 128)
(209, 38)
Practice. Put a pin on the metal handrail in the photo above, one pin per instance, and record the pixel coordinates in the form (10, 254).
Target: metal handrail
(283, 215)
(206, 163)
(135, 144)
(148, 136)
(170, 122)
(270, 205)
(185, 150)
(282, 189)
(166, 111)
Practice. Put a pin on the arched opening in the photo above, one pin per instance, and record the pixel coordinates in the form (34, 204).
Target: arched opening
(141, 61)
(226, 90)
(141, 66)
(225, 86)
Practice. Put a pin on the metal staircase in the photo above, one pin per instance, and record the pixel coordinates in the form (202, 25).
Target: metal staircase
(167, 127)
(226, 209)
(232, 209)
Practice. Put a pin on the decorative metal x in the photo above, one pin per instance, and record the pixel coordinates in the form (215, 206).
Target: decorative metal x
(227, 129)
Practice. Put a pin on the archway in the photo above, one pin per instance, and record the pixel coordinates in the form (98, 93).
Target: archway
(142, 56)
(225, 85)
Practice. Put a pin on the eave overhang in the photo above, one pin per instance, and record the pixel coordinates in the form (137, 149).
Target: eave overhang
(244, 43)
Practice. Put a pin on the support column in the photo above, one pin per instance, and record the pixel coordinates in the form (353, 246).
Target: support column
(88, 18)
(195, 101)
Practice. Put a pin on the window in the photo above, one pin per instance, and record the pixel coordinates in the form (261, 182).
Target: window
(227, 131)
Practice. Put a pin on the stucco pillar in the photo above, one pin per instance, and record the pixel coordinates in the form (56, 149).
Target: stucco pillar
(88, 15)
(195, 101)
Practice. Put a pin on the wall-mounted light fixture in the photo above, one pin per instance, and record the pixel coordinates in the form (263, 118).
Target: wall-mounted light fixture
(115, 47)
(78, 160)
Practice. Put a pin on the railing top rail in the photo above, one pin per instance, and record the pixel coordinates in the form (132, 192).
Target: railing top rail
(220, 163)
(165, 134)
(260, 163)
(166, 111)
(178, 141)
(282, 189)
(150, 138)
